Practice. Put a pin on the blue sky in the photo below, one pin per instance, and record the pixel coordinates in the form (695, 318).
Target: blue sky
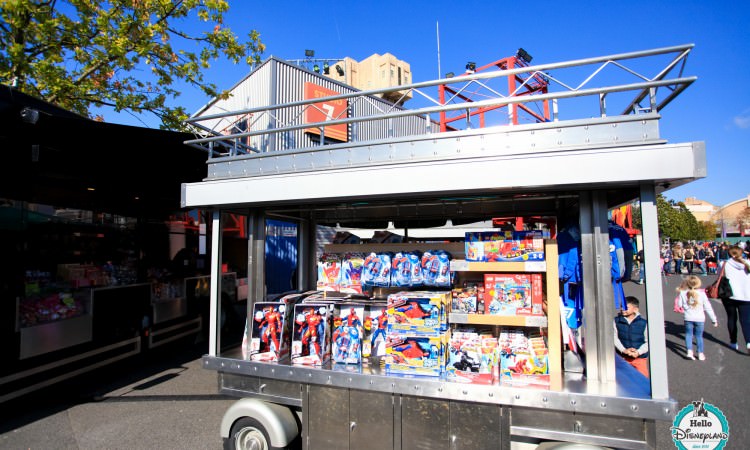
(715, 109)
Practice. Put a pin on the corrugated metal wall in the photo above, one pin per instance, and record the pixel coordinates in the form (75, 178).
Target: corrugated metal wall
(277, 82)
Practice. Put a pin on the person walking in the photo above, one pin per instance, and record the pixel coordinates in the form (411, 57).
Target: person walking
(737, 271)
(688, 257)
(694, 304)
(666, 254)
(677, 253)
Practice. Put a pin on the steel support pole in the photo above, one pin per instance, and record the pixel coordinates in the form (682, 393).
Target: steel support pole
(654, 303)
(215, 294)
(597, 292)
(256, 257)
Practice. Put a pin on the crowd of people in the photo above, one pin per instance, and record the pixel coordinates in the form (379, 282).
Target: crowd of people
(685, 259)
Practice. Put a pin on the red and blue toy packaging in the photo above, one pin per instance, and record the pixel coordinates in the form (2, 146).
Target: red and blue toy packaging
(351, 273)
(509, 246)
(467, 299)
(472, 358)
(523, 358)
(376, 326)
(311, 336)
(376, 270)
(401, 270)
(269, 338)
(518, 294)
(347, 334)
(436, 268)
(415, 355)
(418, 313)
(329, 272)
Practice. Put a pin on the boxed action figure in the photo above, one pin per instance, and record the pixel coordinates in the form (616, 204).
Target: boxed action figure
(418, 313)
(376, 326)
(468, 299)
(269, 339)
(346, 338)
(517, 294)
(436, 268)
(415, 355)
(311, 336)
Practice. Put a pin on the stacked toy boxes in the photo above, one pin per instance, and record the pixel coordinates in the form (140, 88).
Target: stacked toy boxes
(311, 335)
(518, 294)
(347, 334)
(508, 246)
(472, 357)
(523, 358)
(417, 333)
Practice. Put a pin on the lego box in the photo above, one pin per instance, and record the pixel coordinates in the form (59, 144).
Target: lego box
(468, 300)
(311, 335)
(346, 337)
(418, 313)
(415, 355)
(509, 246)
(517, 294)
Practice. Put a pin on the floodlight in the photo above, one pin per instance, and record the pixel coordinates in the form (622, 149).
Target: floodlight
(326, 68)
(309, 53)
(339, 70)
(450, 75)
(524, 55)
(471, 66)
(316, 68)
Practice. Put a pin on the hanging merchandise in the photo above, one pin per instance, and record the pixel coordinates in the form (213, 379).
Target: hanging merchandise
(617, 259)
(569, 266)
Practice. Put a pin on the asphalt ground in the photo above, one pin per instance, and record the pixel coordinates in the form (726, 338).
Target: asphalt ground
(166, 400)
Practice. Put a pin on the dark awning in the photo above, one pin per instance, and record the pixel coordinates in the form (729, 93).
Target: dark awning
(63, 159)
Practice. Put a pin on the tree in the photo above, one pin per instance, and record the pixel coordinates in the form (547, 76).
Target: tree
(678, 223)
(82, 54)
(743, 219)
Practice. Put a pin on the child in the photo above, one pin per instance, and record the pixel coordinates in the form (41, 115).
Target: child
(695, 305)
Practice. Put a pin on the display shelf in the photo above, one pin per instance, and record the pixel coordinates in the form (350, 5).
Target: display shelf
(461, 265)
(456, 249)
(490, 319)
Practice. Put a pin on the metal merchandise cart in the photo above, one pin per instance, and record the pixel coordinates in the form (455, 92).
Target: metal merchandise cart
(573, 170)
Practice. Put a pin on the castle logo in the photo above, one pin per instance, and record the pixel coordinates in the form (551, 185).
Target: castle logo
(700, 425)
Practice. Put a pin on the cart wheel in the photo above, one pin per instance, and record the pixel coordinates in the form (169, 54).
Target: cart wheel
(248, 434)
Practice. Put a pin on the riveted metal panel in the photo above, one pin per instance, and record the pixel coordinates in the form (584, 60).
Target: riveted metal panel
(371, 417)
(327, 416)
(475, 426)
(425, 423)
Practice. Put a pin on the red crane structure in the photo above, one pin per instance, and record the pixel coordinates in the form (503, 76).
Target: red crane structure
(519, 84)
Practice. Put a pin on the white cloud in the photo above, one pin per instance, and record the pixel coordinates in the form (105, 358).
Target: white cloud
(743, 120)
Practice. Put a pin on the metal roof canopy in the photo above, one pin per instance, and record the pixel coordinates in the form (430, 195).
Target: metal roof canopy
(603, 152)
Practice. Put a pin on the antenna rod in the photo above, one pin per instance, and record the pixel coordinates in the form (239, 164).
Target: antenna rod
(437, 30)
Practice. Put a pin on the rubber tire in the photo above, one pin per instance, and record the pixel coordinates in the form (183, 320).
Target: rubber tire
(251, 429)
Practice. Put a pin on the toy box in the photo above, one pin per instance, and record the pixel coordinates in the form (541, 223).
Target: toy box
(346, 337)
(523, 358)
(472, 358)
(311, 335)
(436, 269)
(418, 313)
(376, 270)
(269, 338)
(509, 246)
(329, 272)
(415, 355)
(468, 299)
(517, 294)
(376, 326)
(351, 273)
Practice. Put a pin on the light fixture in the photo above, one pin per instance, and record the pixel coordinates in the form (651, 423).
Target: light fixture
(326, 68)
(30, 116)
(309, 53)
(524, 55)
(339, 70)
(316, 68)
(450, 75)
(471, 66)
